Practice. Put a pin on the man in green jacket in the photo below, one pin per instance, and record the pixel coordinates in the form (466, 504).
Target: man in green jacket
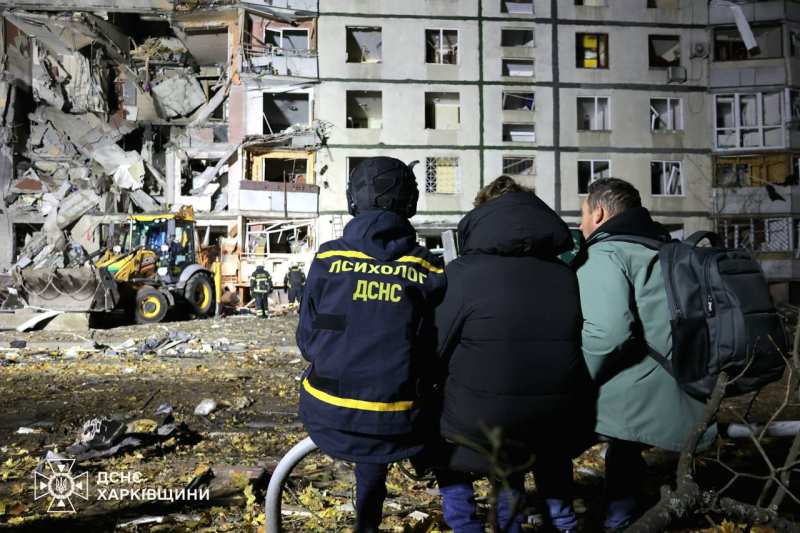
(624, 303)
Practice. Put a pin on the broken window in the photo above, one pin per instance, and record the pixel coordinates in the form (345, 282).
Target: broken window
(755, 171)
(519, 166)
(442, 111)
(593, 113)
(364, 45)
(442, 175)
(666, 178)
(22, 234)
(518, 101)
(729, 44)
(590, 171)
(519, 133)
(517, 7)
(794, 43)
(441, 46)
(353, 162)
(365, 109)
(757, 234)
(282, 170)
(291, 41)
(794, 104)
(516, 37)
(666, 114)
(664, 51)
(518, 68)
(748, 120)
(591, 50)
(593, 3)
(663, 4)
(283, 110)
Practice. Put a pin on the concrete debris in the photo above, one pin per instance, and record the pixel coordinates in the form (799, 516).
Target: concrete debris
(206, 407)
(75, 206)
(99, 121)
(178, 95)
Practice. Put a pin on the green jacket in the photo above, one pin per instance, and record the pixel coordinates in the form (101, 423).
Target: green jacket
(623, 294)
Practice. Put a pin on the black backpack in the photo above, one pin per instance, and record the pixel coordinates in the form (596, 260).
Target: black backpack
(722, 316)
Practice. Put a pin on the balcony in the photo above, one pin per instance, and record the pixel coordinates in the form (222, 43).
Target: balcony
(273, 61)
(94, 5)
(758, 11)
(760, 200)
(267, 196)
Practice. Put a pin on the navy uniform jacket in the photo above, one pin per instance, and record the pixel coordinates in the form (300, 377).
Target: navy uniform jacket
(261, 281)
(294, 279)
(366, 328)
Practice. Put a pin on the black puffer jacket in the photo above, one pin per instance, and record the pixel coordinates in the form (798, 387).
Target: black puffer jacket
(510, 328)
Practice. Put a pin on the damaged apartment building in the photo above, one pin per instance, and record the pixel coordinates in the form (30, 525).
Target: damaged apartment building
(255, 112)
(114, 109)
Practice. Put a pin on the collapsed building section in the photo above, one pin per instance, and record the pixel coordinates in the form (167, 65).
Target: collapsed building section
(106, 112)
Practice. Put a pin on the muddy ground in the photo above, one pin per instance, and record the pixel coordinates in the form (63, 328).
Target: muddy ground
(250, 368)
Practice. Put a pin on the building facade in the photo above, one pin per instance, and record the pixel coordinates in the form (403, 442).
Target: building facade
(255, 113)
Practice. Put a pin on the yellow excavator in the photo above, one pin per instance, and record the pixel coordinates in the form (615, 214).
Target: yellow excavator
(150, 264)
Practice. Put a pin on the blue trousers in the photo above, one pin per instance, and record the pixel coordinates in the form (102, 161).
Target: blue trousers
(625, 473)
(370, 494)
(554, 483)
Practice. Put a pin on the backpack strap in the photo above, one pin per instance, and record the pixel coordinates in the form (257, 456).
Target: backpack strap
(653, 244)
(660, 359)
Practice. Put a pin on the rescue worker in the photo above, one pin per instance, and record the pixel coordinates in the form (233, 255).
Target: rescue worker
(366, 328)
(293, 283)
(261, 286)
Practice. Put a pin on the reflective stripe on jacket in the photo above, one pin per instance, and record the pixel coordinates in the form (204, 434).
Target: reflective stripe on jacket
(366, 328)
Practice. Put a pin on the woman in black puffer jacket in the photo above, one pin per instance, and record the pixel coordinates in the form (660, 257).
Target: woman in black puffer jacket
(510, 337)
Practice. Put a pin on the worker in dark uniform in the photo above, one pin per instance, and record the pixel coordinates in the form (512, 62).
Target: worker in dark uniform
(366, 328)
(261, 286)
(294, 281)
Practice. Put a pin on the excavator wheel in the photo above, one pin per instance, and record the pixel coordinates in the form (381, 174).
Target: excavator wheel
(200, 295)
(151, 306)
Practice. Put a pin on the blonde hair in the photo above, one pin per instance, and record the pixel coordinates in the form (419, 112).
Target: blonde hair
(502, 185)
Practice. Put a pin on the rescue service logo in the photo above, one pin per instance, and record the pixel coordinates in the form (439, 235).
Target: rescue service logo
(60, 485)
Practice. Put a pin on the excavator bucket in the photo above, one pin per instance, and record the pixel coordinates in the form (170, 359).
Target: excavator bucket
(69, 289)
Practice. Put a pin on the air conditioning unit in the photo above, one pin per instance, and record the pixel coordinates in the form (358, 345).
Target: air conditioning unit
(676, 74)
(699, 50)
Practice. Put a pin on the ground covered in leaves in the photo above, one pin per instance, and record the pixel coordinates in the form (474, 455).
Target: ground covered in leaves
(55, 382)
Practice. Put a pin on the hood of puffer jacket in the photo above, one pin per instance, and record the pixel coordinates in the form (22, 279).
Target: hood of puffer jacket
(515, 224)
(383, 235)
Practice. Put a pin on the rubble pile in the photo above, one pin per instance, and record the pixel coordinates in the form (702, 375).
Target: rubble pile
(108, 113)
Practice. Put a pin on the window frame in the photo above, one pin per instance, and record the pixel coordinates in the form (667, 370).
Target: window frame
(664, 186)
(428, 180)
(592, 179)
(737, 127)
(730, 28)
(669, 129)
(531, 158)
(596, 98)
(605, 36)
(280, 31)
(513, 94)
(441, 49)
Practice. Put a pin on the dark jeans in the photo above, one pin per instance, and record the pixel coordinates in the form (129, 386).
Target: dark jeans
(625, 473)
(262, 304)
(370, 493)
(553, 477)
